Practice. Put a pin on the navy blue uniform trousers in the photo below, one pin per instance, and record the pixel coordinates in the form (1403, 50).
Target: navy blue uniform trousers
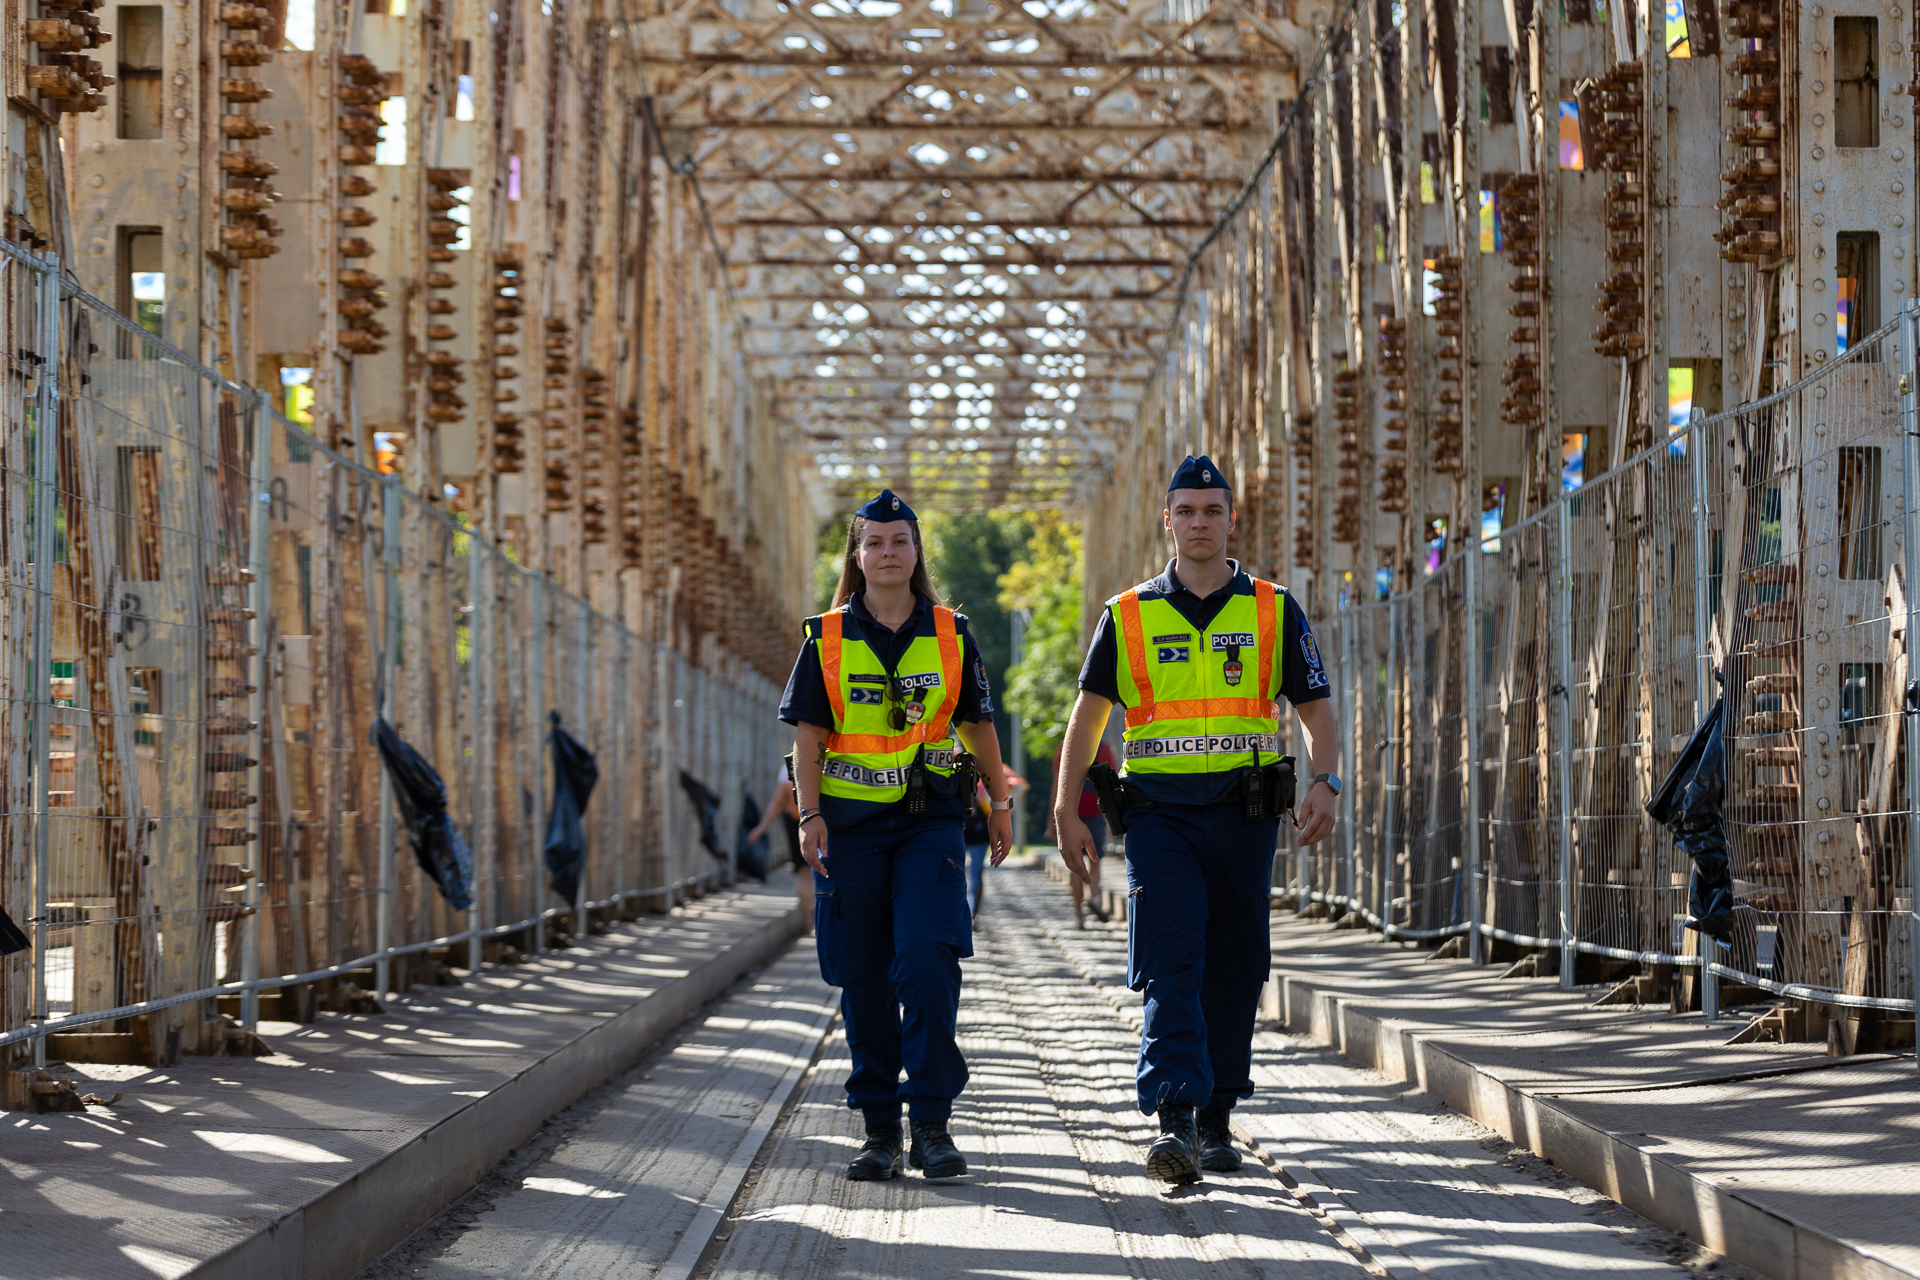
(891, 926)
(1198, 947)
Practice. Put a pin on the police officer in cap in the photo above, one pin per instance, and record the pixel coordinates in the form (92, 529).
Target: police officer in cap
(1198, 656)
(883, 685)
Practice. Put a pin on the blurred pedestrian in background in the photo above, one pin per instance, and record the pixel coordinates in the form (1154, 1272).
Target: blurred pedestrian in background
(1088, 893)
(787, 809)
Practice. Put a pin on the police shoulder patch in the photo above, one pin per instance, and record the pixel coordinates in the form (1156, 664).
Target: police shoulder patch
(1310, 650)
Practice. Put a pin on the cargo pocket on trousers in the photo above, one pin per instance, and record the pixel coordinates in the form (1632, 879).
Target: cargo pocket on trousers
(826, 935)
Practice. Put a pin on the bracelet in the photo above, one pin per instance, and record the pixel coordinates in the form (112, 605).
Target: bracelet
(808, 815)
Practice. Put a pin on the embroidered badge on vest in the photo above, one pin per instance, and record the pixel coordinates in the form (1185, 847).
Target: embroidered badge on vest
(1233, 671)
(1173, 653)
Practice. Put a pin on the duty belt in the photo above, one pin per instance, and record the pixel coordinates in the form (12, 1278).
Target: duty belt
(1202, 744)
(848, 771)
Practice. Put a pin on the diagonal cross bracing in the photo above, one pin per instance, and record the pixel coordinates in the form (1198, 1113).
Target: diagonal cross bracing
(954, 230)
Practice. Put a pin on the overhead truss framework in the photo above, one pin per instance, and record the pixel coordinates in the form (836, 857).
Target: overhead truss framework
(956, 229)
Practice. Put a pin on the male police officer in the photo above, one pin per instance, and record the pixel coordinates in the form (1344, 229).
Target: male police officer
(1198, 655)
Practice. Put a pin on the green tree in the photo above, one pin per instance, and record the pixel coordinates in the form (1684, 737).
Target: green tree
(830, 553)
(967, 552)
(1041, 688)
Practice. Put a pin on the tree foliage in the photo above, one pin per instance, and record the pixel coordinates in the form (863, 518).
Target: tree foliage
(967, 553)
(1046, 581)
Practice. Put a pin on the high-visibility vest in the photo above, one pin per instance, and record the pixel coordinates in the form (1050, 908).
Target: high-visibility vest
(867, 759)
(1199, 701)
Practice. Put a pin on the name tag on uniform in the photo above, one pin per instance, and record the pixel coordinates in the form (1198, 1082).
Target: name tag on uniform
(1222, 641)
(1173, 653)
(1184, 635)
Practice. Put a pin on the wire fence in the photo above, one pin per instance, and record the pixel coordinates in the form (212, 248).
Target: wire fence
(206, 609)
(1510, 715)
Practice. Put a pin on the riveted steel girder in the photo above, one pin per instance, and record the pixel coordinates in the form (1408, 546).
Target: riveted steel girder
(903, 189)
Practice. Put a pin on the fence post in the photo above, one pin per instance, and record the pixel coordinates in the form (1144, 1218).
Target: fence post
(1702, 658)
(389, 593)
(617, 782)
(1351, 689)
(1471, 573)
(45, 429)
(260, 602)
(582, 653)
(537, 697)
(1563, 689)
(1910, 704)
(1390, 771)
(479, 662)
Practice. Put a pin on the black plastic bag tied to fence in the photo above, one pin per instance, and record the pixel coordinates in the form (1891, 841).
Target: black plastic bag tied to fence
(421, 796)
(750, 855)
(1688, 804)
(11, 937)
(707, 805)
(575, 772)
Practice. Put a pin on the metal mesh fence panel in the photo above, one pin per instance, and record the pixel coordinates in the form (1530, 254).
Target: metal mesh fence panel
(1508, 718)
(206, 609)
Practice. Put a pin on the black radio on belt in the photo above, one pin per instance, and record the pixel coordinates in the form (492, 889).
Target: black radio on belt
(1116, 798)
(1266, 791)
(917, 783)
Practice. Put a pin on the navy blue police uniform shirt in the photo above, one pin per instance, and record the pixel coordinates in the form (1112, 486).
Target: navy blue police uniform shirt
(1302, 678)
(805, 700)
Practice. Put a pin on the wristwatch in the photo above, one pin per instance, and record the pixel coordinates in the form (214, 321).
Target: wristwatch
(1000, 806)
(1331, 779)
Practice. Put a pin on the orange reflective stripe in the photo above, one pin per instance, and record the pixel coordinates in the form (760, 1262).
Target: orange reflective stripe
(830, 663)
(927, 730)
(1267, 632)
(870, 743)
(1135, 635)
(949, 638)
(1200, 708)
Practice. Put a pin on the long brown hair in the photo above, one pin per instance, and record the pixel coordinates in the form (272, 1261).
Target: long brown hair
(852, 581)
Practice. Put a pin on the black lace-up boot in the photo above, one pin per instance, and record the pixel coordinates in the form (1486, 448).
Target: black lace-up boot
(1175, 1154)
(933, 1151)
(879, 1157)
(1216, 1140)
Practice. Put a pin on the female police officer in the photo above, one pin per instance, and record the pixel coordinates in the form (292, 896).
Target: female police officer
(1198, 655)
(882, 684)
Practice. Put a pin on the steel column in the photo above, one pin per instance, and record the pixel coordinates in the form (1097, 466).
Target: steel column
(45, 456)
(1910, 448)
(1476, 945)
(259, 603)
(1563, 691)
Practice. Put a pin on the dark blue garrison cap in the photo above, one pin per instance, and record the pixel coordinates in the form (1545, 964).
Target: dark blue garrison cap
(886, 507)
(1198, 473)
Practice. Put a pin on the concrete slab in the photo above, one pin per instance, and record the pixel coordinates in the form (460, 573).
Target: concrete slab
(1800, 1166)
(314, 1160)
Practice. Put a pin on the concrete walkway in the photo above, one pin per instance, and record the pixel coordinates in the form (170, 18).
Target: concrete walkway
(1056, 1189)
(311, 1162)
(1802, 1166)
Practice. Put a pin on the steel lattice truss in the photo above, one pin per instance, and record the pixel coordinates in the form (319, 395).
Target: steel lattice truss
(956, 228)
